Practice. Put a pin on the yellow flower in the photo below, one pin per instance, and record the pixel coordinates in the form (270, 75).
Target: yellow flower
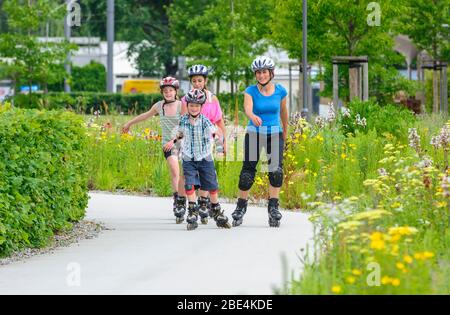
(396, 205)
(371, 214)
(307, 160)
(356, 272)
(394, 251)
(407, 259)
(395, 282)
(428, 255)
(400, 265)
(376, 236)
(343, 156)
(441, 204)
(350, 280)
(402, 230)
(336, 289)
(349, 225)
(386, 280)
(377, 245)
(395, 238)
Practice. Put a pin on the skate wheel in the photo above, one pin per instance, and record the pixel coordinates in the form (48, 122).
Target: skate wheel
(179, 220)
(274, 223)
(237, 223)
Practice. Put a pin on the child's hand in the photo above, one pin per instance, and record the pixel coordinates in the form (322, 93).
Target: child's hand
(168, 146)
(126, 128)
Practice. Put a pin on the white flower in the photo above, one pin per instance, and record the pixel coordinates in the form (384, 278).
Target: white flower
(414, 139)
(320, 122)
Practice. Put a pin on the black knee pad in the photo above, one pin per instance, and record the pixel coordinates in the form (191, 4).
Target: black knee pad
(246, 180)
(276, 178)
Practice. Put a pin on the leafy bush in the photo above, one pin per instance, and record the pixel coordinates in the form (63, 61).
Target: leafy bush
(89, 102)
(391, 119)
(43, 178)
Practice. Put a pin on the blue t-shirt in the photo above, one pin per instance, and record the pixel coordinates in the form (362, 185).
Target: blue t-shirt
(267, 108)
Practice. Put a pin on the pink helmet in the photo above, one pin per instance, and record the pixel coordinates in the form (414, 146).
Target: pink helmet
(169, 81)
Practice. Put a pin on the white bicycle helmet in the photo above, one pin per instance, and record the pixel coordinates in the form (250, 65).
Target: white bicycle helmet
(198, 70)
(262, 63)
(196, 96)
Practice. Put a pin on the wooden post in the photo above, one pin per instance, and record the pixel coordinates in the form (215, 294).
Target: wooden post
(335, 86)
(353, 82)
(445, 89)
(435, 91)
(366, 81)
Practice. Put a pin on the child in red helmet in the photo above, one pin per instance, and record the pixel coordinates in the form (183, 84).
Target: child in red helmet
(169, 111)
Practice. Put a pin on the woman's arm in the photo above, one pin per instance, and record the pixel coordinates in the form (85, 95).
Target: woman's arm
(248, 108)
(152, 112)
(284, 115)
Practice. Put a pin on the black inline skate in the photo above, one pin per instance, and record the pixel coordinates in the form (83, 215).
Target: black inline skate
(238, 214)
(203, 210)
(274, 214)
(192, 216)
(220, 218)
(180, 210)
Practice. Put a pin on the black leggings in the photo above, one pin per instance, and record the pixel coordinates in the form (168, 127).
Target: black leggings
(253, 145)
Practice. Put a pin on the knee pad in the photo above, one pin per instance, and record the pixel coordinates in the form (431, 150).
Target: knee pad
(246, 180)
(276, 178)
(190, 189)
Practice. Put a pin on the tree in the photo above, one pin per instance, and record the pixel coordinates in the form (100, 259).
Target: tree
(339, 27)
(89, 78)
(31, 60)
(143, 23)
(229, 36)
(426, 23)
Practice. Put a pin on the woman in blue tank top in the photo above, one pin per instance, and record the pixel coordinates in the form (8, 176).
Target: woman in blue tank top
(265, 106)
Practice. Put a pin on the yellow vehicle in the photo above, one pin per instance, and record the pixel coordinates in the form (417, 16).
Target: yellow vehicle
(141, 86)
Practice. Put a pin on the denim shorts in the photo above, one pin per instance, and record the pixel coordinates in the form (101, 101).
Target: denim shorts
(203, 170)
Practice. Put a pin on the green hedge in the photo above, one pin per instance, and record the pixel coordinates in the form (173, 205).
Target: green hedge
(88, 102)
(43, 177)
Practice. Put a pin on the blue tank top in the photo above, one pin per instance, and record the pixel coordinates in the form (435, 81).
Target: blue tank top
(267, 108)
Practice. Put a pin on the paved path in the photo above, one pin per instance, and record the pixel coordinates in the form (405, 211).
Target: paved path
(147, 253)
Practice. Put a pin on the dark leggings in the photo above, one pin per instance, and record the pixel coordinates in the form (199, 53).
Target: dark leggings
(253, 145)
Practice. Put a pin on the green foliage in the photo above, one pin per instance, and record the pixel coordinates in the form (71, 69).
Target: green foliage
(228, 35)
(32, 61)
(89, 102)
(426, 23)
(392, 119)
(89, 78)
(43, 176)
